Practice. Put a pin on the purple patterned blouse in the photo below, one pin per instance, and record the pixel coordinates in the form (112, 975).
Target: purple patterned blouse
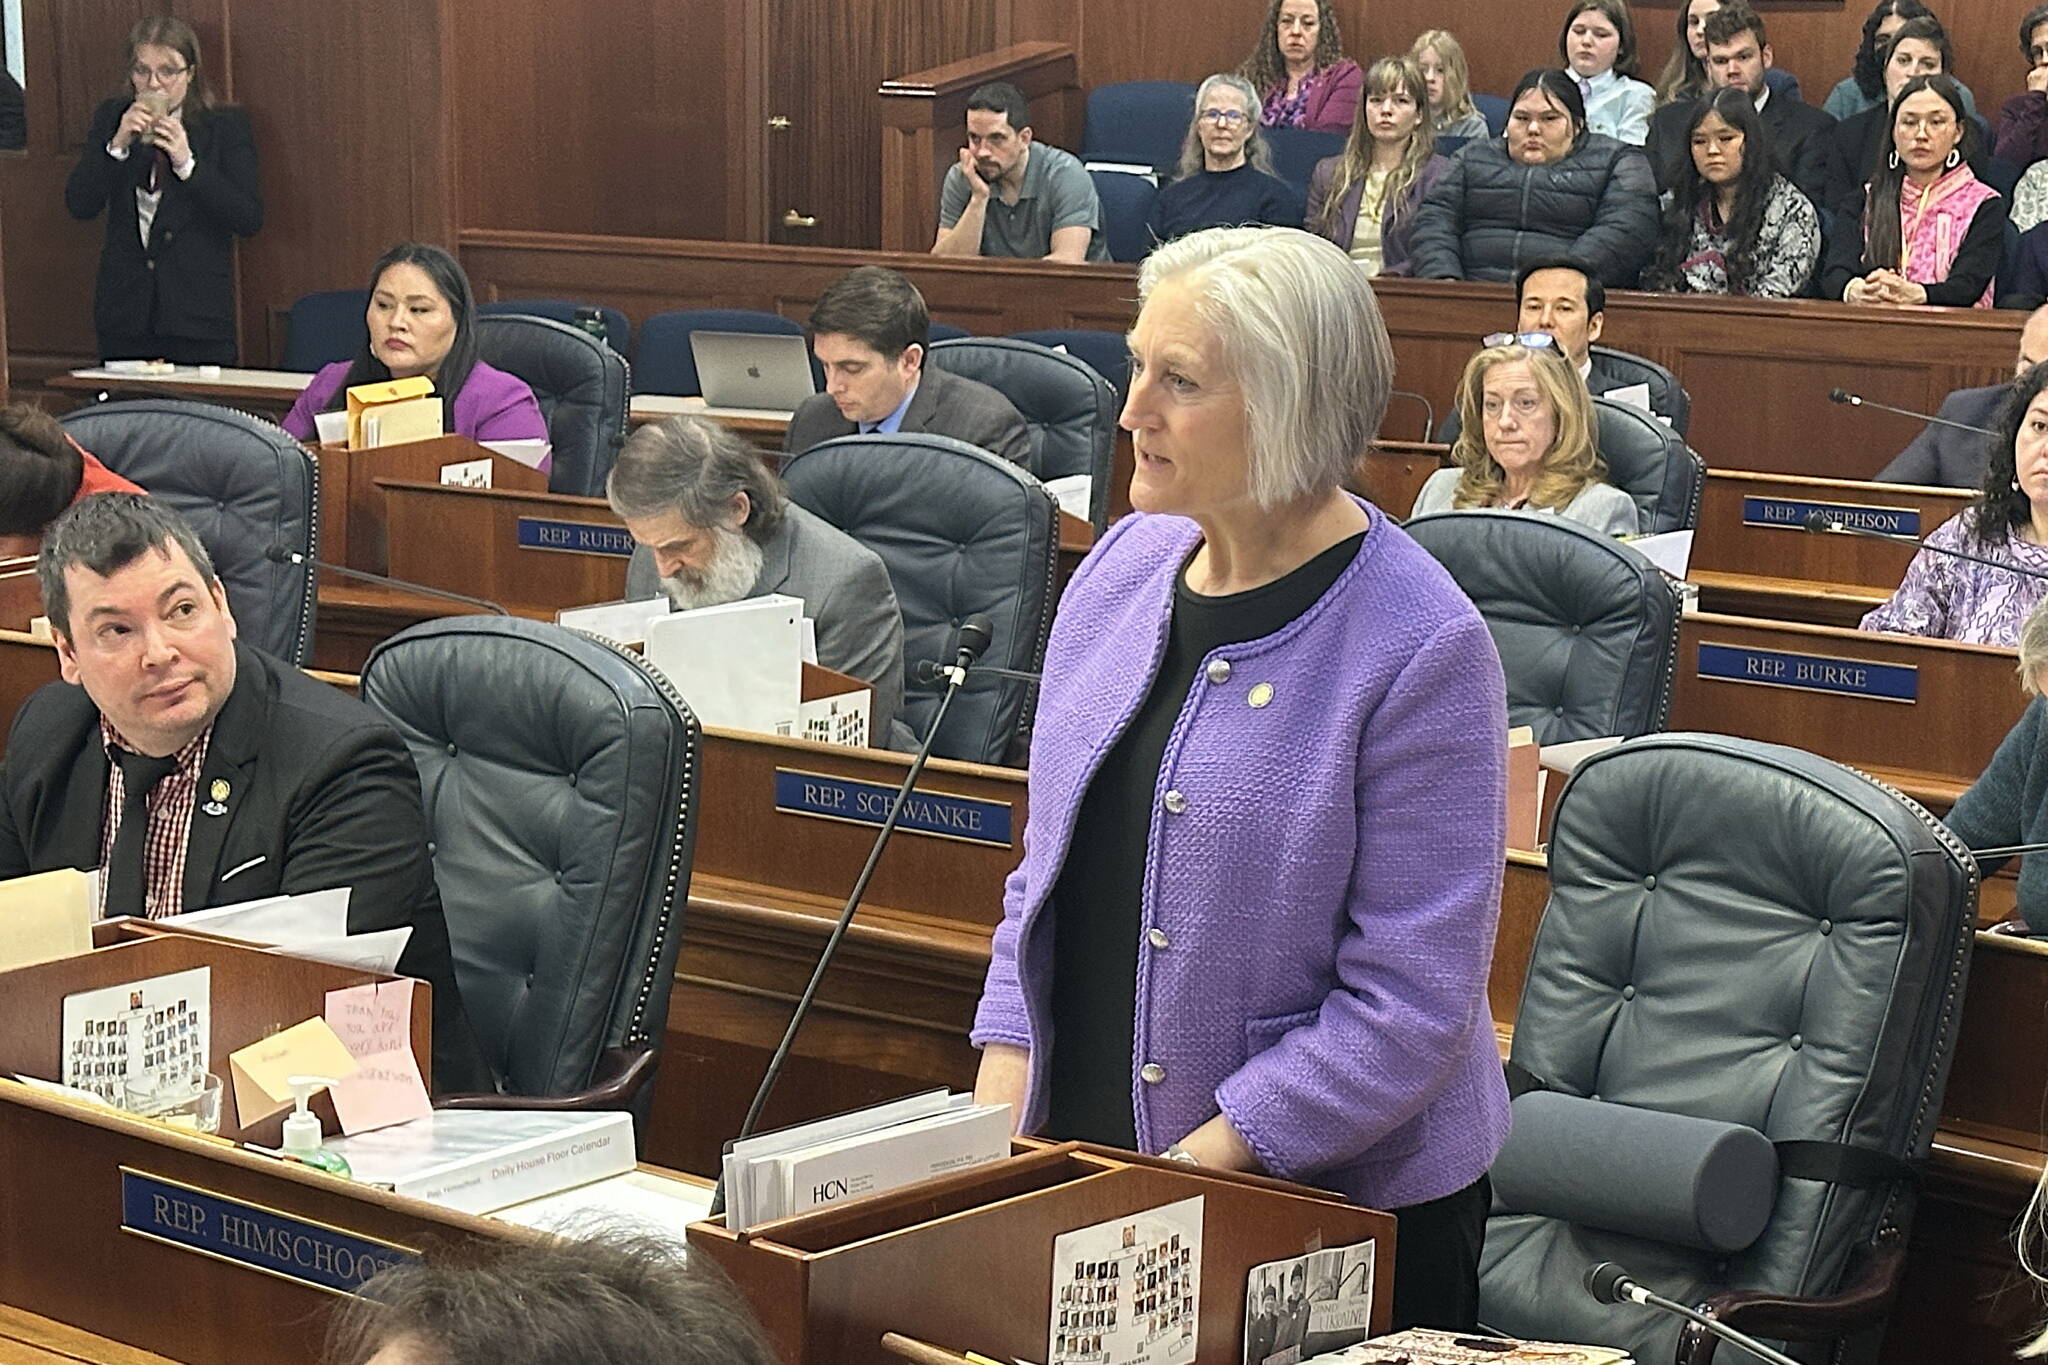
(1954, 599)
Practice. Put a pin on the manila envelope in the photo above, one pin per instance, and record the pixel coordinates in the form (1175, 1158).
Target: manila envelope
(261, 1071)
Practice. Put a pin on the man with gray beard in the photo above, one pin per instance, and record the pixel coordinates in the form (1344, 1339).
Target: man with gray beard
(712, 525)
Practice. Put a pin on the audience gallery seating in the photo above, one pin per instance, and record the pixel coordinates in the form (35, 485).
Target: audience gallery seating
(1138, 123)
(581, 385)
(323, 328)
(562, 819)
(1744, 944)
(962, 533)
(1126, 209)
(1071, 408)
(243, 484)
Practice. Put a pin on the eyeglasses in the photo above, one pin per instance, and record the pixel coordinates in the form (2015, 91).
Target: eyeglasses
(1225, 118)
(1528, 341)
(162, 75)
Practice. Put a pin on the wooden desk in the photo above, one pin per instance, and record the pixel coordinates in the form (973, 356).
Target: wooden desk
(1754, 557)
(266, 393)
(1392, 473)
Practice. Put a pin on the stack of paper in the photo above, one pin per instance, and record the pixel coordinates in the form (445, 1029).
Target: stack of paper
(864, 1152)
(482, 1160)
(1425, 1347)
(739, 665)
(313, 925)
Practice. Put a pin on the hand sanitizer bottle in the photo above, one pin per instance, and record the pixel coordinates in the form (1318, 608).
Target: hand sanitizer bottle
(302, 1130)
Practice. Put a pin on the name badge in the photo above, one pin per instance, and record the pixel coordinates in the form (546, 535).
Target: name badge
(261, 1239)
(1810, 672)
(574, 537)
(933, 813)
(1791, 513)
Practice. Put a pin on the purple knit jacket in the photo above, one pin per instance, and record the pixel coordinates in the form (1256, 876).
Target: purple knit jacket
(1325, 868)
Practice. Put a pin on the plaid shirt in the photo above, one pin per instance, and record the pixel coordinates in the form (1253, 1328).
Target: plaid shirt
(170, 823)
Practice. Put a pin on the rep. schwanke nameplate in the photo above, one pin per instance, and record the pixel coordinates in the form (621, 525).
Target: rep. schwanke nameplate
(934, 813)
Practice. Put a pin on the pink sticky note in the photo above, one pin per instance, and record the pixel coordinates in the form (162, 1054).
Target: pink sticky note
(374, 1022)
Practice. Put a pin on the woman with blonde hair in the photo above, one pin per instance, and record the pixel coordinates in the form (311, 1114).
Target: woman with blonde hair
(1225, 177)
(1526, 443)
(1364, 198)
(1449, 82)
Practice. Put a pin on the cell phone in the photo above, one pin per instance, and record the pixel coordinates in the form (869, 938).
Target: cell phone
(156, 101)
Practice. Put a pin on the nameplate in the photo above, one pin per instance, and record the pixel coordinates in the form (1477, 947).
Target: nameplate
(1790, 514)
(867, 803)
(574, 537)
(260, 1239)
(1810, 672)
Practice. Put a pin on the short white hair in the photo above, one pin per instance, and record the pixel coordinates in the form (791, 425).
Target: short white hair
(1301, 333)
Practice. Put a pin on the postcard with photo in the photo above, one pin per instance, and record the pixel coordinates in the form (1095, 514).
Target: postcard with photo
(1299, 1308)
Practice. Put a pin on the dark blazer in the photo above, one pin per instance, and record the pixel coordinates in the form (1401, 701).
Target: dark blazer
(1799, 143)
(322, 793)
(945, 404)
(846, 592)
(183, 285)
(1394, 237)
(1943, 456)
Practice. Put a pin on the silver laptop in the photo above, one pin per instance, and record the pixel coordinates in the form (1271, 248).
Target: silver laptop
(752, 370)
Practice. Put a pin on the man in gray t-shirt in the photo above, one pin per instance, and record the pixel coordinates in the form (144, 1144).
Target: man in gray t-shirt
(1010, 196)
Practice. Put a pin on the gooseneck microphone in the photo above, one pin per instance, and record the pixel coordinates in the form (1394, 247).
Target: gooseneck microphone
(972, 638)
(1609, 1283)
(278, 554)
(931, 671)
(1830, 523)
(1856, 400)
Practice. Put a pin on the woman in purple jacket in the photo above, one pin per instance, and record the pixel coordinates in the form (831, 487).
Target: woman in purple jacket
(422, 320)
(1256, 909)
(1299, 68)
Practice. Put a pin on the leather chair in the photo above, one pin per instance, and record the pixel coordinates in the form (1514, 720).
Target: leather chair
(1126, 210)
(243, 484)
(662, 359)
(1587, 628)
(618, 333)
(962, 532)
(944, 331)
(323, 328)
(582, 386)
(1751, 935)
(1072, 409)
(1106, 353)
(1139, 123)
(1652, 464)
(1296, 152)
(1668, 398)
(560, 777)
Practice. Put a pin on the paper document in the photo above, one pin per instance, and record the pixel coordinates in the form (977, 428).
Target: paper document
(378, 951)
(1670, 551)
(1129, 1291)
(275, 920)
(533, 453)
(1072, 493)
(1636, 396)
(46, 915)
(142, 1032)
(622, 623)
(739, 665)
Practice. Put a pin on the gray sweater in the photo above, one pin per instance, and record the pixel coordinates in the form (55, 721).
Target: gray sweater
(2008, 805)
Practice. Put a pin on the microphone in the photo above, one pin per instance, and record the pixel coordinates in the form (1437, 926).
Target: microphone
(972, 638)
(1609, 1283)
(278, 554)
(1858, 401)
(1821, 519)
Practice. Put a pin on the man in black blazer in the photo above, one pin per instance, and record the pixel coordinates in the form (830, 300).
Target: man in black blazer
(1944, 457)
(194, 169)
(868, 331)
(196, 771)
(1738, 54)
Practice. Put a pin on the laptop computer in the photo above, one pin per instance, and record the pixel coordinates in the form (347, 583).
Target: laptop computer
(757, 370)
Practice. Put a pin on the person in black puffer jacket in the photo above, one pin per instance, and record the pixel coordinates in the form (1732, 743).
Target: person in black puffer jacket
(1548, 187)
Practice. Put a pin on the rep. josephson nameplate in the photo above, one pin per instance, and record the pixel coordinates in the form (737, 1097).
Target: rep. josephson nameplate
(261, 1239)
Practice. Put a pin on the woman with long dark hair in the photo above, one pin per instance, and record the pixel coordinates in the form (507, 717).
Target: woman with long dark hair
(1858, 146)
(1299, 68)
(1734, 226)
(1364, 198)
(1932, 231)
(422, 321)
(1864, 87)
(175, 174)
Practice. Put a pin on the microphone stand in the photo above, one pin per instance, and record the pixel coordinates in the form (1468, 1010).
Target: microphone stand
(278, 554)
(1826, 522)
(955, 674)
(1854, 400)
(1609, 1283)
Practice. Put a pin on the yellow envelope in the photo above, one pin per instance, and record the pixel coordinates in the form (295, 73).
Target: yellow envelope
(45, 916)
(402, 409)
(260, 1070)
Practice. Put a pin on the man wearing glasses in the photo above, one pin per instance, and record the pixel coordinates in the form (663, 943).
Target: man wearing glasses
(1011, 196)
(176, 177)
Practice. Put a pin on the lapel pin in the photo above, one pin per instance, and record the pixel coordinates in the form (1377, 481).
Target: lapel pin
(217, 794)
(1260, 695)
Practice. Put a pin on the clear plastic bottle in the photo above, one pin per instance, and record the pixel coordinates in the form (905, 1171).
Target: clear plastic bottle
(302, 1131)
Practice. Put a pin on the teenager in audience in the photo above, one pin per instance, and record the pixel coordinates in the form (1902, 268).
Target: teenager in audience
(1300, 70)
(1857, 147)
(175, 175)
(1734, 225)
(1548, 187)
(2023, 122)
(1932, 231)
(1365, 198)
(1739, 55)
(422, 321)
(1225, 176)
(1598, 46)
(1526, 440)
(613, 1299)
(42, 472)
(1449, 80)
(1960, 599)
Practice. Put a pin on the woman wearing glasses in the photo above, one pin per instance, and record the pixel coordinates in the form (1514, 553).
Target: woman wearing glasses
(1225, 174)
(176, 176)
(1365, 199)
(1526, 440)
(1549, 187)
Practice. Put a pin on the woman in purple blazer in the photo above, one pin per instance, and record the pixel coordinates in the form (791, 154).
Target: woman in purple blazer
(1261, 877)
(1299, 68)
(422, 320)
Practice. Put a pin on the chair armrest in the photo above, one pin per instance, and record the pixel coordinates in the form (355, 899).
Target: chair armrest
(1861, 1303)
(622, 1073)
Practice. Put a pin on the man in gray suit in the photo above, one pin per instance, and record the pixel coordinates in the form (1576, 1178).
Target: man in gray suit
(868, 331)
(1945, 457)
(712, 525)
